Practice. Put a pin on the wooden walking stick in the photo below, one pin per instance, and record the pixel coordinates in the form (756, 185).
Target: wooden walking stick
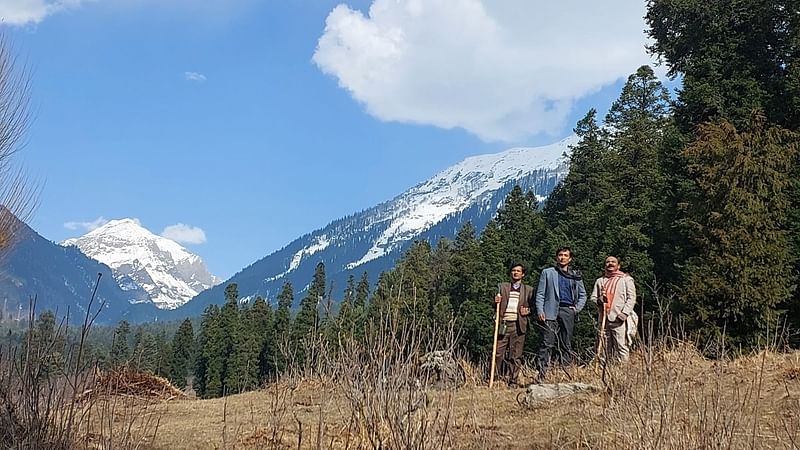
(494, 344)
(601, 344)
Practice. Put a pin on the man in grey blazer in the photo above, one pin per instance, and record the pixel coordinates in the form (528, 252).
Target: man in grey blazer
(515, 300)
(560, 296)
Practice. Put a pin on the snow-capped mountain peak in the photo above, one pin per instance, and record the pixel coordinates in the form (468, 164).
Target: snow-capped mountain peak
(169, 273)
(459, 186)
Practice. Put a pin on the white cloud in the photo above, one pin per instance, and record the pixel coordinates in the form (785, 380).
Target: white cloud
(86, 226)
(503, 70)
(194, 76)
(185, 234)
(23, 12)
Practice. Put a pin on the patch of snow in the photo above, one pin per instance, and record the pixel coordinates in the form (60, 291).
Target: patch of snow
(321, 243)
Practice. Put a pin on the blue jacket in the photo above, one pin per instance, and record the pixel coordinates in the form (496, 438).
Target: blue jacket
(547, 296)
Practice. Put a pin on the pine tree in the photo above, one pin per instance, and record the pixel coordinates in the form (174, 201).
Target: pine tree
(145, 351)
(262, 324)
(164, 360)
(120, 349)
(470, 294)
(521, 229)
(231, 328)
(579, 213)
(733, 58)
(412, 281)
(305, 328)
(362, 292)
(282, 324)
(439, 304)
(738, 223)
(44, 345)
(494, 257)
(637, 121)
(210, 346)
(243, 364)
(183, 354)
(345, 320)
(383, 302)
(465, 267)
(360, 299)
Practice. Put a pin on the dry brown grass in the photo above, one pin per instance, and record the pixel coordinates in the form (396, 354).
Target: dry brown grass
(677, 400)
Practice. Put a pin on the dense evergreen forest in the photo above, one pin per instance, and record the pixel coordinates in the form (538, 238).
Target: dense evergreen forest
(697, 194)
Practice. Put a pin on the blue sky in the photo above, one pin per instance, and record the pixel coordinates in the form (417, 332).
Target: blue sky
(237, 126)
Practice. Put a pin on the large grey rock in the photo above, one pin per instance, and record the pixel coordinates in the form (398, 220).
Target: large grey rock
(541, 392)
(439, 368)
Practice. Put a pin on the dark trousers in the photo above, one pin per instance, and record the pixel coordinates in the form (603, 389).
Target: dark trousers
(557, 333)
(509, 351)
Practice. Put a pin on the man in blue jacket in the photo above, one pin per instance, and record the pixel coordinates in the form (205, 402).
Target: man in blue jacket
(559, 298)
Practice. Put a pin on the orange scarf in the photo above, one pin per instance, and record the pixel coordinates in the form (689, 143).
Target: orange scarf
(610, 286)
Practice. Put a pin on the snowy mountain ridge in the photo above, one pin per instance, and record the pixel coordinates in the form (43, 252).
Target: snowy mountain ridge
(370, 241)
(457, 187)
(170, 274)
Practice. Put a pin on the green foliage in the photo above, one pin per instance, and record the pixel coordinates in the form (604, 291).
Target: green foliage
(521, 229)
(44, 346)
(208, 366)
(579, 211)
(734, 57)
(358, 315)
(242, 370)
(362, 293)
(262, 327)
(145, 352)
(305, 327)
(282, 325)
(120, 349)
(465, 266)
(231, 332)
(613, 198)
(345, 324)
(412, 282)
(738, 222)
(183, 354)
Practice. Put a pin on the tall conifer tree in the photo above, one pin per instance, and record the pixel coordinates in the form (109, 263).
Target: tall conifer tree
(282, 326)
(120, 349)
(231, 327)
(183, 354)
(738, 223)
(637, 122)
(306, 324)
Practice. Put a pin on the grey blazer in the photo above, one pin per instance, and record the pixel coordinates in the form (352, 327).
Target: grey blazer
(547, 295)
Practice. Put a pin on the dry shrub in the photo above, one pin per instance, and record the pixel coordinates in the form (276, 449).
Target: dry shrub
(126, 381)
(792, 373)
(671, 397)
(42, 396)
(391, 404)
